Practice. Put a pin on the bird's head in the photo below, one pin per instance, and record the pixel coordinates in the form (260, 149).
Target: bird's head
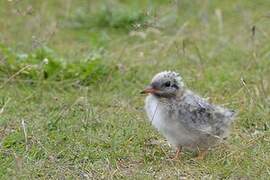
(165, 84)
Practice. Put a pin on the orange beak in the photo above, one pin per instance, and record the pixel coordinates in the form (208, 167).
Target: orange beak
(149, 90)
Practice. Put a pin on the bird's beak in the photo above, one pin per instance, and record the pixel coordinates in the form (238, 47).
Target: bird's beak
(148, 90)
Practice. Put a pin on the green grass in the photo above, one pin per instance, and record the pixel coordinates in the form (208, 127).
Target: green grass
(71, 73)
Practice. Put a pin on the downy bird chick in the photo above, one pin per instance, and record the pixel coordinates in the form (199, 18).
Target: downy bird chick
(184, 118)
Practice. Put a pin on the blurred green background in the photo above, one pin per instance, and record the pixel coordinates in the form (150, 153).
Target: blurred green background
(71, 72)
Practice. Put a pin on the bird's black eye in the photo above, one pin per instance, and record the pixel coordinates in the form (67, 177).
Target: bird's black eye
(168, 84)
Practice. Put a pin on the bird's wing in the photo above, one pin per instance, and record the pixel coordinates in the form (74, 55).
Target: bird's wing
(196, 113)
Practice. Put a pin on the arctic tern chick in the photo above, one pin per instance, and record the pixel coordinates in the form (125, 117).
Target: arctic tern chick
(184, 118)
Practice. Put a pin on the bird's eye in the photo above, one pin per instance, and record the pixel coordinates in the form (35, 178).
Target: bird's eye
(168, 84)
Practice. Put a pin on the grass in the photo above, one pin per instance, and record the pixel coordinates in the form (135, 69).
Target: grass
(71, 74)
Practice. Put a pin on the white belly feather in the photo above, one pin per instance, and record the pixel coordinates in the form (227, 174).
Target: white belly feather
(159, 117)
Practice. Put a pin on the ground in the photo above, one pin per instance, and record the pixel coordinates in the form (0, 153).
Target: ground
(71, 72)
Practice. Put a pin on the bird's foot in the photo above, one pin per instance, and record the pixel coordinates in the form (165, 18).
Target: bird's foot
(201, 155)
(177, 154)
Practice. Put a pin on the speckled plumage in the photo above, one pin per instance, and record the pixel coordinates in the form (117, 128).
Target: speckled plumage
(185, 119)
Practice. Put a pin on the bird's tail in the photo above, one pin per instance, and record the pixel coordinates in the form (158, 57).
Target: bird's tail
(231, 114)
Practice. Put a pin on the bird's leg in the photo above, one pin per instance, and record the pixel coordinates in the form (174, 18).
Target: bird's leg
(177, 153)
(201, 154)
